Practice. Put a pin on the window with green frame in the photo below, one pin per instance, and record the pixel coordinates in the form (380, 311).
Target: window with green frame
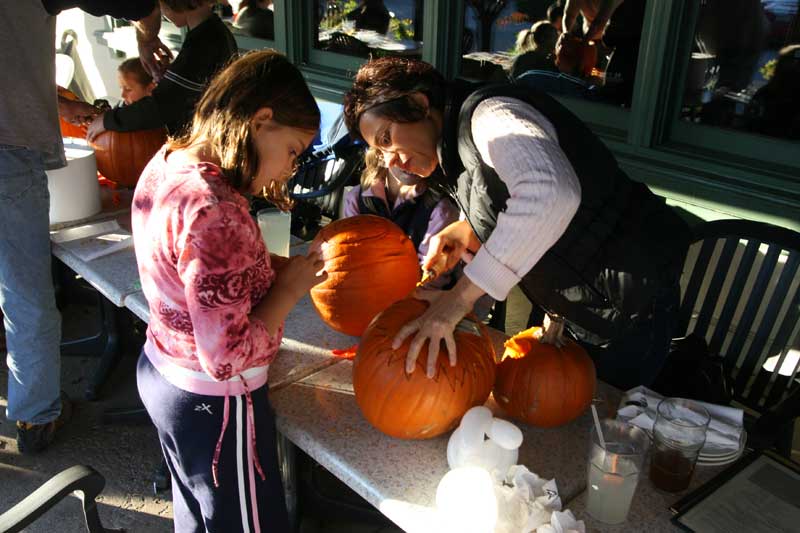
(662, 138)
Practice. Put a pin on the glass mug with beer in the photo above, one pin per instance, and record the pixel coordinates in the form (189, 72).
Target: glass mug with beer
(679, 434)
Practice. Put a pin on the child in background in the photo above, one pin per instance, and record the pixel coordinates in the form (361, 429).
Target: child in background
(217, 302)
(404, 199)
(207, 47)
(134, 81)
(420, 212)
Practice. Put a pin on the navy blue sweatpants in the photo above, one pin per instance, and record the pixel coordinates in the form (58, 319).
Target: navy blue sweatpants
(189, 426)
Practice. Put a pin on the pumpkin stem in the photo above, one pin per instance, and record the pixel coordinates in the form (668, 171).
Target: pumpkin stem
(554, 334)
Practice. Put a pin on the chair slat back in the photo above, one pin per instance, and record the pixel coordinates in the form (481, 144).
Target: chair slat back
(743, 297)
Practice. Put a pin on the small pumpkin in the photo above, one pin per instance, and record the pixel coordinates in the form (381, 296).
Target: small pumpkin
(121, 156)
(370, 263)
(575, 56)
(68, 129)
(412, 406)
(545, 379)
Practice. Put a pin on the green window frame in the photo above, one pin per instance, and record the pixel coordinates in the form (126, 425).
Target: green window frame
(737, 173)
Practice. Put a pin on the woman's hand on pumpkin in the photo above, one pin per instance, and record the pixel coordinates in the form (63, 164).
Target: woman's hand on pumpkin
(447, 247)
(95, 128)
(300, 273)
(437, 323)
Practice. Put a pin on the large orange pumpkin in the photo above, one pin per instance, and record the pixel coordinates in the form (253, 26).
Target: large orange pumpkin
(370, 263)
(412, 406)
(575, 55)
(121, 156)
(68, 129)
(544, 379)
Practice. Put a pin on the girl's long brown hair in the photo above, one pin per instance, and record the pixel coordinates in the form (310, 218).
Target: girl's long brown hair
(258, 79)
(373, 169)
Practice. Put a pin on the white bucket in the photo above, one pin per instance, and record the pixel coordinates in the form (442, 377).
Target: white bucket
(74, 190)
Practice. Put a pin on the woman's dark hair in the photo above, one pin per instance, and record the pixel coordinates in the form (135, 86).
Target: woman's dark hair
(385, 86)
(133, 67)
(258, 79)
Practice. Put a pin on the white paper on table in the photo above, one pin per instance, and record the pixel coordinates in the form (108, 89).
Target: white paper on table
(95, 240)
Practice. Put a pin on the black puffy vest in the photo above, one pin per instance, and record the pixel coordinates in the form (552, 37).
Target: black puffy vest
(623, 243)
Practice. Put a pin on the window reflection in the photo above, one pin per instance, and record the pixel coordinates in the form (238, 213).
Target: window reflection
(744, 69)
(524, 40)
(365, 28)
(255, 18)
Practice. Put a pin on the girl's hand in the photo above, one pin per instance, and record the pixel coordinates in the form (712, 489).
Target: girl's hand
(95, 128)
(448, 246)
(278, 262)
(300, 273)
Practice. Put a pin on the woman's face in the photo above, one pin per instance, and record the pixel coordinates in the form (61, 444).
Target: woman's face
(278, 147)
(410, 146)
(132, 90)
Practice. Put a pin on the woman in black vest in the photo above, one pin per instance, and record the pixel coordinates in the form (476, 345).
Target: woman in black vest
(546, 207)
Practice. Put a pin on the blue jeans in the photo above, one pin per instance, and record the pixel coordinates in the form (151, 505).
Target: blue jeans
(32, 322)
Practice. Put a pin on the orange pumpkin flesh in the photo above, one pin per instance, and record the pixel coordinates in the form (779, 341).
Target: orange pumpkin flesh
(543, 384)
(370, 263)
(412, 406)
(121, 156)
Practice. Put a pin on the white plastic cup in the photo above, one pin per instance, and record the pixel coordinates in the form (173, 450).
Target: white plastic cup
(275, 226)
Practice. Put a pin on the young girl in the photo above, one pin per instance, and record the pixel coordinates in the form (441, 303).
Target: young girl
(217, 304)
(134, 81)
(404, 199)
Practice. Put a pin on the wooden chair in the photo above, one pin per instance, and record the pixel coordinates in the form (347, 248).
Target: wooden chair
(742, 295)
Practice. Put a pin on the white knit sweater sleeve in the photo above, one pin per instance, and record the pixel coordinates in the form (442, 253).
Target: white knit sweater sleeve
(521, 144)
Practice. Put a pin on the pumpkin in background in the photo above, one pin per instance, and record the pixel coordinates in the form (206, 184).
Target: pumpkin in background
(544, 379)
(412, 406)
(121, 156)
(370, 263)
(575, 56)
(68, 129)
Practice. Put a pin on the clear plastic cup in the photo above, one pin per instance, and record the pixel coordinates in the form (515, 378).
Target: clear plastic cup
(613, 472)
(275, 226)
(679, 434)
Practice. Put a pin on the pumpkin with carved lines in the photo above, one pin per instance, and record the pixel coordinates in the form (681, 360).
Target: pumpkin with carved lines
(412, 406)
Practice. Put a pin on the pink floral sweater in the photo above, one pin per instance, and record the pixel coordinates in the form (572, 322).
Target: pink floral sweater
(203, 266)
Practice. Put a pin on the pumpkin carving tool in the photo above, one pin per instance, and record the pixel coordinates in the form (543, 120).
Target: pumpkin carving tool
(436, 267)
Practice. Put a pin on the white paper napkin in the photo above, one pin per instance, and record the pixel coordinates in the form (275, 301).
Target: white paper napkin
(638, 407)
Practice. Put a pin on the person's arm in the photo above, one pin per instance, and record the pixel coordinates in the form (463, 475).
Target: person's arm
(444, 214)
(214, 265)
(351, 202)
(154, 55)
(521, 145)
(144, 114)
(294, 279)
